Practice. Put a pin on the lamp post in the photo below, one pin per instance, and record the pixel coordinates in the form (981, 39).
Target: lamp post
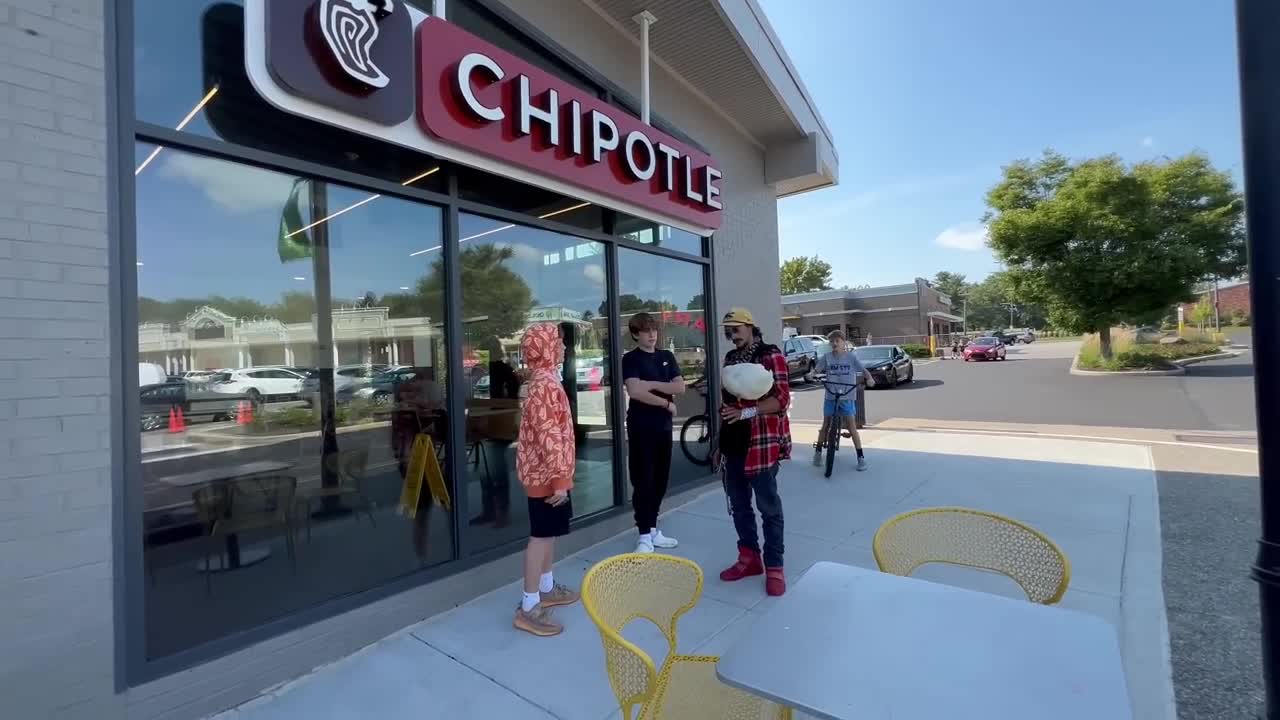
(1257, 24)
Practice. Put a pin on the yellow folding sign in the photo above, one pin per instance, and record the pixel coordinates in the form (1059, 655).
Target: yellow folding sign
(423, 462)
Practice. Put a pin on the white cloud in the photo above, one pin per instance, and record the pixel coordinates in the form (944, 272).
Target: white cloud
(594, 273)
(970, 237)
(236, 188)
(1148, 141)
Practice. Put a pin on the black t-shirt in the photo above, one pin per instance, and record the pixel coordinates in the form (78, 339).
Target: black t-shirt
(656, 366)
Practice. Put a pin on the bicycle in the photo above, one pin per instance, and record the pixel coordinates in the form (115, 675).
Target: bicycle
(835, 428)
(695, 434)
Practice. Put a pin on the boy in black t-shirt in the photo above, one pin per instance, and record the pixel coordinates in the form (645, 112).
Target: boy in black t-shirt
(652, 379)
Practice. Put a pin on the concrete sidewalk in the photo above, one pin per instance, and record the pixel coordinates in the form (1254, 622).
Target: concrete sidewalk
(1097, 500)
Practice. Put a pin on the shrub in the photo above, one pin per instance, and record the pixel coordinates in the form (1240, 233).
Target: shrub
(916, 350)
(1128, 355)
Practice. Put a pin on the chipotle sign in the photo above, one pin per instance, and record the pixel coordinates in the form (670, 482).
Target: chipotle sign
(374, 60)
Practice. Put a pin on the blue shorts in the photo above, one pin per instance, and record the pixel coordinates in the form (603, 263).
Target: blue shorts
(847, 407)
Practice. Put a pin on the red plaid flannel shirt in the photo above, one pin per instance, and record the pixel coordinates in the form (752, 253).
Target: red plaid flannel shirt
(770, 434)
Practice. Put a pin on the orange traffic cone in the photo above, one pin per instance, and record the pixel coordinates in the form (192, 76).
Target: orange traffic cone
(182, 422)
(174, 423)
(244, 413)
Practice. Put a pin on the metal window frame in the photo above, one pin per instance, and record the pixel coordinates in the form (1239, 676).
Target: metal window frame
(129, 587)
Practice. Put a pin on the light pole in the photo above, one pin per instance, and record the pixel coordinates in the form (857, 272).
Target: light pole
(1257, 24)
(1011, 307)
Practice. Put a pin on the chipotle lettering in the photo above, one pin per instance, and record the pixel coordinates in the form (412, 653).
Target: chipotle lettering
(486, 100)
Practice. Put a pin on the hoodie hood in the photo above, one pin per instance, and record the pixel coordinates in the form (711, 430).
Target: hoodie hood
(541, 347)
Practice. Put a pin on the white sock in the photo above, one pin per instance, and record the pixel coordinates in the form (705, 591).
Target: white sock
(646, 537)
(545, 583)
(529, 601)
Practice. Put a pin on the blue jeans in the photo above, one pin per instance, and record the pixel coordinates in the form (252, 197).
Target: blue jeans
(764, 486)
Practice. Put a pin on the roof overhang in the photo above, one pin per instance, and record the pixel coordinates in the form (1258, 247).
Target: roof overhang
(727, 53)
(945, 316)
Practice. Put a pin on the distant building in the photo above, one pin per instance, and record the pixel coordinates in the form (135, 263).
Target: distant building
(1233, 298)
(907, 313)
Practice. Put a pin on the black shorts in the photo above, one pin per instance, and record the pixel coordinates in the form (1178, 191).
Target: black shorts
(546, 521)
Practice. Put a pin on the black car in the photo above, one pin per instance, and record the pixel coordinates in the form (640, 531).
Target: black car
(802, 357)
(888, 364)
(195, 402)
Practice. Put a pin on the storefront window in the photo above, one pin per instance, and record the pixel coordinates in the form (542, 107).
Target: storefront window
(292, 360)
(189, 65)
(663, 236)
(674, 293)
(512, 277)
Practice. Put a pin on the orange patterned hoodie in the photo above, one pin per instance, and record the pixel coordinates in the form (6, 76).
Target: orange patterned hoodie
(545, 457)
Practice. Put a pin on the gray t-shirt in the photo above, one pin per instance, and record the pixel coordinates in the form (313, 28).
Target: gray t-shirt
(841, 369)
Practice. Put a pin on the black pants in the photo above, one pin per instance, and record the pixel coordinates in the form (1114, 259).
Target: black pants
(740, 487)
(649, 462)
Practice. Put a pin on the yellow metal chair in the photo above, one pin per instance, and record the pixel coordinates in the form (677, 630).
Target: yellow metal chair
(661, 588)
(978, 539)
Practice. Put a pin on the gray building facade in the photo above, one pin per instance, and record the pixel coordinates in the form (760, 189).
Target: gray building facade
(897, 314)
(214, 300)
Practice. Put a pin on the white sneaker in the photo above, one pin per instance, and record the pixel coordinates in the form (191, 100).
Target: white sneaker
(662, 541)
(644, 544)
(817, 457)
(862, 464)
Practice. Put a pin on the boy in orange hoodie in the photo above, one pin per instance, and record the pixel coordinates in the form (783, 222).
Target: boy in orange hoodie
(545, 461)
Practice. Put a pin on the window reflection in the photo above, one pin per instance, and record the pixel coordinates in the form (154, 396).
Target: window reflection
(674, 293)
(514, 276)
(663, 236)
(189, 66)
(292, 372)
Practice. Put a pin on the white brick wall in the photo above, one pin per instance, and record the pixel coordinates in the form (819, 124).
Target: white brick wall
(56, 615)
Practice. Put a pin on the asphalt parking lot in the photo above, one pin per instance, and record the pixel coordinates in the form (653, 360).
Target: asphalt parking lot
(1033, 386)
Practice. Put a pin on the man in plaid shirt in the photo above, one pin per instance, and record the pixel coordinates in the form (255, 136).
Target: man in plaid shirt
(754, 437)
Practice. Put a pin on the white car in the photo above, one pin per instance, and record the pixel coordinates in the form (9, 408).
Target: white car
(260, 385)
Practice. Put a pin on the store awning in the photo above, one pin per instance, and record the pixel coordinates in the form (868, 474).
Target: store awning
(726, 51)
(938, 315)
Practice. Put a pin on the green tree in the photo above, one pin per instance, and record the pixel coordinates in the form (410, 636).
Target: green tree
(1202, 312)
(1096, 242)
(953, 285)
(802, 274)
(496, 300)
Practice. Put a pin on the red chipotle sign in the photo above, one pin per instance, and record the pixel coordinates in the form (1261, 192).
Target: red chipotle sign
(384, 69)
(477, 96)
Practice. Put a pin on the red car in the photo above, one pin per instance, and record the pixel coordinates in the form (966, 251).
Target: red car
(984, 348)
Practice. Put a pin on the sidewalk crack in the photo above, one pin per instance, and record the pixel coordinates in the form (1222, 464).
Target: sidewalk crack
(485, 675)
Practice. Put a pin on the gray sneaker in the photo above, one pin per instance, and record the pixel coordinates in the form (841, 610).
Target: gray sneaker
(862, 464)
(817, 457)
(537, 621)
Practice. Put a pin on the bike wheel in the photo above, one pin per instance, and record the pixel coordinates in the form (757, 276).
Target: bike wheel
(833, 442)
(695, 440)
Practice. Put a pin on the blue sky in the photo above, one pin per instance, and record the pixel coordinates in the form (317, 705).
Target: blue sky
(927, 99)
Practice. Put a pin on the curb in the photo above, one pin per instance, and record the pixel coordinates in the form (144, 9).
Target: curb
(1180, 370)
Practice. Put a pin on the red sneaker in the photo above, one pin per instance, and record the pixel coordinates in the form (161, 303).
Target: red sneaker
(775, 581)
(749, 563)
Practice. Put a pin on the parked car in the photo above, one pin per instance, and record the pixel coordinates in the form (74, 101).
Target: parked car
(591, 373)
(348, 380)
(888, 364)
(985, 348)
(1026, 336)
(195, 402)
(201, 377)
(260, 385)
(1004, 336)
(802, 358)
(382, 386)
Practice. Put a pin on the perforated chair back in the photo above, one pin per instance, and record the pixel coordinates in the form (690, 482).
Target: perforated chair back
(978, 539)
(616, 591)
